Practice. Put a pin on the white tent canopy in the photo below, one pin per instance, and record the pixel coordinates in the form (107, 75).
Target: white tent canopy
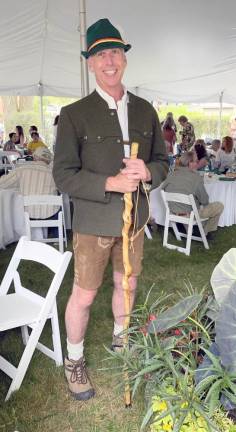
(182, 50)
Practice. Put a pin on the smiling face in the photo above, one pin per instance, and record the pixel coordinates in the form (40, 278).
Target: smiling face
(108, 66)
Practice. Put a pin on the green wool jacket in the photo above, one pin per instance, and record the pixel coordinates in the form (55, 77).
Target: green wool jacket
(89, 148)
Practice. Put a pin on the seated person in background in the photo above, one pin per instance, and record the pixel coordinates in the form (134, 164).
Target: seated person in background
(213, 148)
(169, 134)
(200, 150)
(225, 156)
(34, 178)
(35, 129)
(20, 137)
(10, 144)
(35, 143)
(187, 180)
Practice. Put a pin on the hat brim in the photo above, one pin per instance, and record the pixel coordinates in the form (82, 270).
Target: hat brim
(105, 45)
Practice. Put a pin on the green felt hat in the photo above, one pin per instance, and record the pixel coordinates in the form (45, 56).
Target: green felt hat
(103, 35)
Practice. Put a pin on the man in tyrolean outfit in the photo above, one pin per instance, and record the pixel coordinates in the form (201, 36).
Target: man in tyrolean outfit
(92, 165)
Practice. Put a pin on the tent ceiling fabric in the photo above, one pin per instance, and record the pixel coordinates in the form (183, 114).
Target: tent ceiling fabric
(182, 50)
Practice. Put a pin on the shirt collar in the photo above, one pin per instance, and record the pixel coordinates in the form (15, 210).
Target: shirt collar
(110, 100)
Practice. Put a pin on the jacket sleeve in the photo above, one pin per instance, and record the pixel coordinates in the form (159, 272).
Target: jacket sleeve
(69, 175)
(158, 165)
(201, 193)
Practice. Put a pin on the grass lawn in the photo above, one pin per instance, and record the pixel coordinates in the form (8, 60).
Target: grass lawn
(43, 402)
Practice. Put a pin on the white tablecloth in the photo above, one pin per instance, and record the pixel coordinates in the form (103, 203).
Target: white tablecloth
(223, 191)
(12, 223)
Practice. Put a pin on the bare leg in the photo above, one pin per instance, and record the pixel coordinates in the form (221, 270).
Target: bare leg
(118, 305)
(77, 313)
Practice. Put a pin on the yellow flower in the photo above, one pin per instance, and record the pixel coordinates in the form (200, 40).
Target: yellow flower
(159, 406)
(167, 427)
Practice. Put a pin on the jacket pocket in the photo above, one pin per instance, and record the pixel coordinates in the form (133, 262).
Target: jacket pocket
(144, 138)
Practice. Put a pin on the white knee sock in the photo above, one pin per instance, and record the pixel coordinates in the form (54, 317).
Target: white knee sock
(118, 328)
(75, 351)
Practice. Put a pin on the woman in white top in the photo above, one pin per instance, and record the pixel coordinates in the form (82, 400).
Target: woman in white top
(225, 156)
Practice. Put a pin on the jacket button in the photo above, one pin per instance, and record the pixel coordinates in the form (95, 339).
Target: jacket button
(119, 141)
(122, 199)
(112, 113)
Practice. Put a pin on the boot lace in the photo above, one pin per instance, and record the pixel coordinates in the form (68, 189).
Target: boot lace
(78, 373)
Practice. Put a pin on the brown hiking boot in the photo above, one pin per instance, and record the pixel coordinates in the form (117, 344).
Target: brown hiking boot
(118, 344)
(78, 380)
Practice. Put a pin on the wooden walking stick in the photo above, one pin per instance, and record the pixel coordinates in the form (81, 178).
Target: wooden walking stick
(127, 219)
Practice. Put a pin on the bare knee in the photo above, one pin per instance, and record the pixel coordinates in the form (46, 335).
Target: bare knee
(81, 297)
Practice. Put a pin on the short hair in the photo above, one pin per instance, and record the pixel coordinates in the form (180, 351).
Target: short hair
(215, 144)
(215, 141)
(33, 128)
(182, 118)
(186, 158)
(11, 135)
(34, 133)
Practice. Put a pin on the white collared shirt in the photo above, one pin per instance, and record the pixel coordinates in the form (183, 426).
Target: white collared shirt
(121, 107)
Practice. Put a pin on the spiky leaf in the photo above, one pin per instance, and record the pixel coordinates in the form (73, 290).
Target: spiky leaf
(174, 315)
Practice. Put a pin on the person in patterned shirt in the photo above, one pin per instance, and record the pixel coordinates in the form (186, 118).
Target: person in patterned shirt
(187, 134)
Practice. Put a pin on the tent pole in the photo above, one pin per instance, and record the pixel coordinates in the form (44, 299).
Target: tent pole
(84, 67)
(40, 87)
(220, 114)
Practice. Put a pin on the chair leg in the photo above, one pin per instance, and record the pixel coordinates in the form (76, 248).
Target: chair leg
(25, 359)
(189, 238)
(148, 232)
(64, 233)
(176, 231)
(60, 233)
(203, 235)
(25, 334)
(56, 339)
(166, 232)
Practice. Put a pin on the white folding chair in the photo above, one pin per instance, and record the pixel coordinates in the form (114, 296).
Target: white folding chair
(27, 309)
(148, 232)
(189, 219)
(6, 160)
(46, 200)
